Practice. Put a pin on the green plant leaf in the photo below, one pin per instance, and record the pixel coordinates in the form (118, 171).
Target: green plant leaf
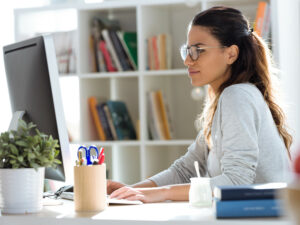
(15, 166)
(56, 153)
(12, 156)
(21, 148)
(13, 149)
(22, 143)
(57, 161)
(20, 158)
(31, 125)
(22, 128)
(34, 165)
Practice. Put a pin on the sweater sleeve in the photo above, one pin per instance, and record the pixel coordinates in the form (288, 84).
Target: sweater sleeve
(239, 130)
(183, 168)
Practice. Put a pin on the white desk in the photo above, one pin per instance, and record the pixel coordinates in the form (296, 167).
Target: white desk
(173, 213)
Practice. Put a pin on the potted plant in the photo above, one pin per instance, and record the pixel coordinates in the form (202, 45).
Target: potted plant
(24, 154)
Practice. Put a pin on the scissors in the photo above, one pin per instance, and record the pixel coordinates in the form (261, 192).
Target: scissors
(88, 153)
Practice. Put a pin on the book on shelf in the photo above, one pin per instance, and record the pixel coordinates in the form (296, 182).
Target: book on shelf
(110, 122)
(104, 121)
(267, 23)
(162, 53)
(153, 118)
(121, 53)
(253, 191)
(93, 102)
(150, 62)
(100, 57)
(159, 52)
(129, 42)
(248, 208)
(107, 58)
(147, 55)
(262, 20)
(92, 57)
(155, 52)
(114, 49)
(159, 118)
(111, 49)
(121, 120)
(64, 43)
(164, 115)
(137, 128)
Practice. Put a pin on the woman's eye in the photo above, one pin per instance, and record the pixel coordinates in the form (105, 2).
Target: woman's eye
(200, 50)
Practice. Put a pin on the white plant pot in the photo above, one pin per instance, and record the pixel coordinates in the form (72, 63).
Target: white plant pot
(21, 190)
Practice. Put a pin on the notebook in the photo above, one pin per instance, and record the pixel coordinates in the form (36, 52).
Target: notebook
(111, 201)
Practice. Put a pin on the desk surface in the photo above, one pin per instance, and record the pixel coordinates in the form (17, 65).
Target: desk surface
(158, 213)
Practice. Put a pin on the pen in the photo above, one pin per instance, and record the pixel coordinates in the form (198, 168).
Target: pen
(80, 158)
(102, 159)
(101, 156)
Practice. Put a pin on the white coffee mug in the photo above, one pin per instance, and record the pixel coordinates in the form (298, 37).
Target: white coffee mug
(200, 193)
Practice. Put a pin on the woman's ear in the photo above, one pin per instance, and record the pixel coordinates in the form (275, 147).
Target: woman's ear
(232, 53)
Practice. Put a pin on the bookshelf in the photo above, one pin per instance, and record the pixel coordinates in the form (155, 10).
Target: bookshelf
(133, 160)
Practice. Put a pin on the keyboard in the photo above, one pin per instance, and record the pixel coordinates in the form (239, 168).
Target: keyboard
(111, 201)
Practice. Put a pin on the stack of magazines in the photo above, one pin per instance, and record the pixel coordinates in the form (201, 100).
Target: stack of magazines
(257, 200)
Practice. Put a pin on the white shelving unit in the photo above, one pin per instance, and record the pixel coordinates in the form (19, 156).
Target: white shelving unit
(131, 161)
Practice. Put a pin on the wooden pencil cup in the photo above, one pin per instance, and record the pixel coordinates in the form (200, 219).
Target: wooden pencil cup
(90, 188)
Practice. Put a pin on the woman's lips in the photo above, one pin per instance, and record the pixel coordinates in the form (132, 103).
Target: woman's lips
(191, 72)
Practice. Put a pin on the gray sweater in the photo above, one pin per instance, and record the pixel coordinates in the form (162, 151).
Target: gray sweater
(246, 146)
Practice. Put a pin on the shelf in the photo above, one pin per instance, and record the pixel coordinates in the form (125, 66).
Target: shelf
(107, 143)
(174, 72)
(168, 142)
(109, 75)
(68, 75)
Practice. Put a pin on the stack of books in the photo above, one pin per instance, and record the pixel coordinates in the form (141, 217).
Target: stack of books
(159, 54)
(257, 200)
(111, 119)
(112, 49)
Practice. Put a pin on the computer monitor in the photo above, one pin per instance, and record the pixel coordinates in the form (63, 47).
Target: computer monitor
(33, 84)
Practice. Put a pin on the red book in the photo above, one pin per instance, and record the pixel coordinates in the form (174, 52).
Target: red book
(155, 52)
(107, 58)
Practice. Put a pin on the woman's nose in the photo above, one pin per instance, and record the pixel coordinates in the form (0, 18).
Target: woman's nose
(188, 61)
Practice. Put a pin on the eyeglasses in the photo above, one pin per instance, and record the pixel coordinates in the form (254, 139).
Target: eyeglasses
(194, 51)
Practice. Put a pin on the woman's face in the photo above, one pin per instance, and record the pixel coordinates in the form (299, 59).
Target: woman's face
(212, 66)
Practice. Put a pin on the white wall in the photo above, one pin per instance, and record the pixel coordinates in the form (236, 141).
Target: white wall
(70, 89)
(7, 37)
(289, 62)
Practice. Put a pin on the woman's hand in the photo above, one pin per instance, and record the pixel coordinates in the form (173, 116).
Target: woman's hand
(145, 195)
(113, 185)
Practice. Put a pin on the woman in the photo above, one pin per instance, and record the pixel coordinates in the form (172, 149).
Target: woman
(243, 140)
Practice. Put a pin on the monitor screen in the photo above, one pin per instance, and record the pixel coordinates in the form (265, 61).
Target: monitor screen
(33, 84)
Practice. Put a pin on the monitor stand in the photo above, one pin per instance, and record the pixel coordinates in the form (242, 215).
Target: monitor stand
(14, 123)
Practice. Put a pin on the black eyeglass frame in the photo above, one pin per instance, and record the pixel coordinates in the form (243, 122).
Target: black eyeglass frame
(187, 50)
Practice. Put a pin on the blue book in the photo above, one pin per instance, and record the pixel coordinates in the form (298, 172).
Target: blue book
(248, 208)
(121, 120)
(253, 191)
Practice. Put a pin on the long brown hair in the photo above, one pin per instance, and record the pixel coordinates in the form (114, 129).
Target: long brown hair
(253, 64)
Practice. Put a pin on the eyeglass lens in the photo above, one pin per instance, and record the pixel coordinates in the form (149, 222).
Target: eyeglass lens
(192, 51)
